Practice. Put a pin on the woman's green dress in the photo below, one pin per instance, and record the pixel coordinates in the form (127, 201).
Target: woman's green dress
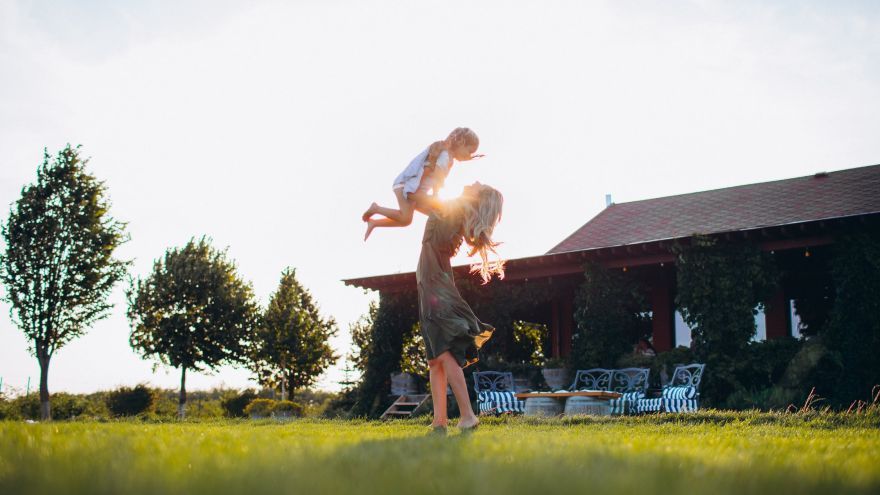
(446, 320)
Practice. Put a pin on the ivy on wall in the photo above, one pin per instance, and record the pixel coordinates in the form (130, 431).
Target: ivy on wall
(720, 285)
(852, 333)
(611, 316)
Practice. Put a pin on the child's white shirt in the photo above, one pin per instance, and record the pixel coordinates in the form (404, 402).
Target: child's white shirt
(411, 177)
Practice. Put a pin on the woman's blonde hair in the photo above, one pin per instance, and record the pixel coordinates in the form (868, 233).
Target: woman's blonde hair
(458, 136)
(480, 218)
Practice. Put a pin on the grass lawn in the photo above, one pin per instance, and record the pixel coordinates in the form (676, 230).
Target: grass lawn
(710, 452)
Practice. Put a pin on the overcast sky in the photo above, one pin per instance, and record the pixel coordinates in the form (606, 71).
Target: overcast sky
(271, 126)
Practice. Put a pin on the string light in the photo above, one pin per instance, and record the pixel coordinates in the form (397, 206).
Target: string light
(624, 268)
(807, 253)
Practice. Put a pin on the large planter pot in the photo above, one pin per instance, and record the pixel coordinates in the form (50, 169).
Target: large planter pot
(556, 378)
(403, 384)
(521, 384)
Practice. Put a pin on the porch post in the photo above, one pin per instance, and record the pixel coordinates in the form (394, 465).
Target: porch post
(662, 328)
(776, 316)
(567, 324)
(554, 328)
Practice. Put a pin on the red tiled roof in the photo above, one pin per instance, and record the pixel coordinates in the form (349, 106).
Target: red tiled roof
(817, 197)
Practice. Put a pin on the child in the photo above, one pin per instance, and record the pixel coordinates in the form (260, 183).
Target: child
(426, 172)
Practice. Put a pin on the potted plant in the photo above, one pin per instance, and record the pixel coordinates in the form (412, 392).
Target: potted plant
(555, 373)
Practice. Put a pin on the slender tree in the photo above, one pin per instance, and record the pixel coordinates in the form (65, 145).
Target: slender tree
(192, 312)
(58, 267)
(290, 346)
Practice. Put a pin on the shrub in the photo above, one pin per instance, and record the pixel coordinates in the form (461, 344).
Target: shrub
(260, 408)
(126, 401)
(28, 406)
(234, 404)
(68, 406)
(286, 408)
(64, 406)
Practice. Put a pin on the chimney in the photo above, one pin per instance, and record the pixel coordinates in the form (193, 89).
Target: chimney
(608, 201)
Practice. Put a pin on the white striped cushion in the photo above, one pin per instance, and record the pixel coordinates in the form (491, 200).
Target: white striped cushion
(499, 402)
(626, 403)
(686, 392)
(648, 405)
(680, 405)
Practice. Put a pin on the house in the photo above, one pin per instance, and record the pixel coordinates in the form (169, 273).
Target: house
(797, 220)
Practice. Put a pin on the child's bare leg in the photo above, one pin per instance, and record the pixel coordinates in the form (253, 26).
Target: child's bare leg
(380, 222)
(393, 218)
(403, 216)
(438, 392)
(459, 388)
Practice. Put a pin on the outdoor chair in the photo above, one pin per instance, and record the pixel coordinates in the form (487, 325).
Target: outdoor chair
(495, 393)
(681, 394)
(633, 384)
(592, 379)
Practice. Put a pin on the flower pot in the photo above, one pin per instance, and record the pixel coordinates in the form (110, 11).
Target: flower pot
(521, 384)
(556, 378)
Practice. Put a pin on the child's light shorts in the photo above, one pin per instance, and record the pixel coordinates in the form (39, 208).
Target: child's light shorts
(403, 189)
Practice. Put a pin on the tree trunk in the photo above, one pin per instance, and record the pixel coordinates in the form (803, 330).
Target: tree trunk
(181, 401)
(45, 406)
(292, 391)
(283, 388)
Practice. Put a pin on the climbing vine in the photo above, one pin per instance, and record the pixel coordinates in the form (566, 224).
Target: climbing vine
(720, 287)
(611, 316)
(852, 333)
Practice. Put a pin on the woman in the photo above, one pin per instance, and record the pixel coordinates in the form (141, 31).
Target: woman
(452, 333)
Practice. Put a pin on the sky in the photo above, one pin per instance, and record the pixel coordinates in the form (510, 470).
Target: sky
(270, 126)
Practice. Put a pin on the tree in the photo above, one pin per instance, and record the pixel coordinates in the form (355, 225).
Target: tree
(290, 345)
(58, 267)
(193, 312)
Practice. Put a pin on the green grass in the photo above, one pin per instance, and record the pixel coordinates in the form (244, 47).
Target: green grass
(712, 452)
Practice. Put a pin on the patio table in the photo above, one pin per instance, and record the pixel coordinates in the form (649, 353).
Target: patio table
(538, 405)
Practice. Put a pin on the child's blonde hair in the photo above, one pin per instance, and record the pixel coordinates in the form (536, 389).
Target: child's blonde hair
(458, 136)
(480, 218)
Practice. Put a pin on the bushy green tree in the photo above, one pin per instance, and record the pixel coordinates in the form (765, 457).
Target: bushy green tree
(360, 337)
(58, 267)
(394, 317)
(192, 312)
(290, 347)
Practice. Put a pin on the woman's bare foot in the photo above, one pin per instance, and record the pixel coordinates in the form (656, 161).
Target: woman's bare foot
(370, 226)
(370, 212)
(468, 423)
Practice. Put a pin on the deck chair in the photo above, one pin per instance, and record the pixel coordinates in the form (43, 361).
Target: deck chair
(633, 384)
(495, 393)
(681, 394)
